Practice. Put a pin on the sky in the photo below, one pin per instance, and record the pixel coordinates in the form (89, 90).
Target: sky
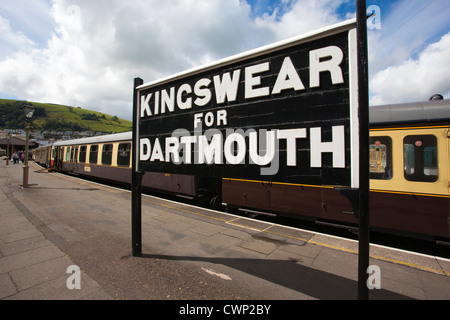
(86, 53)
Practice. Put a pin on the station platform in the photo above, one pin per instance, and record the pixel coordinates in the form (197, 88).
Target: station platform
(188, 253)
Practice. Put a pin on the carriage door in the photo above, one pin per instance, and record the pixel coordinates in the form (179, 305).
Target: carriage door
(59, 157)
(67, 158)
(75, 160)
(448, 180)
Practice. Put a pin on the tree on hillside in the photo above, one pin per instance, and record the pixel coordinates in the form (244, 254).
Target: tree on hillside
(12, 117)
(90, 116)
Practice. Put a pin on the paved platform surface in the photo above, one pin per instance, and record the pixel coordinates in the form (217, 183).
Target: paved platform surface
(188, 253)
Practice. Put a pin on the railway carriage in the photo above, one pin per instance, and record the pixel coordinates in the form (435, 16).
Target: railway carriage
(41, 155)
(108, 158)
(410, 168)
(409, 178)
(409, 175)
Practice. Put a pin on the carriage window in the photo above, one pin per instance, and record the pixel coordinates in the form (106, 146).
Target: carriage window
(380, 155)
(107, 153)
(83, 154)
(93, 154)
(123, 154)
(68, 154)
(420, 158)
(75, 154)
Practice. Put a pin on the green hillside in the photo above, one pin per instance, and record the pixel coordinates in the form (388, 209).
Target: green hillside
(53, 117)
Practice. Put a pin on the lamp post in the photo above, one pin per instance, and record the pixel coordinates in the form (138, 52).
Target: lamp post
(29, 112)
(8, 155)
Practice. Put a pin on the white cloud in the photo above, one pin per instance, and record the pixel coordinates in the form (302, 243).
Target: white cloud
(406, 29)
(30, 18)
(10, 40)
(97, 48)
(304, 16)
(415, 79)
(403, 65)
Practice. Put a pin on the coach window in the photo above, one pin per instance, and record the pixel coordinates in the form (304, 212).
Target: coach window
(107, 154)
(380, 155)
(123, 154)
(93, 154)
(75, 155)
(420, 157)
(68, 154)
(82, 158)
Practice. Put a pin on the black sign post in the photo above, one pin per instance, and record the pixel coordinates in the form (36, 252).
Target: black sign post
(363, 101)
(136, 179)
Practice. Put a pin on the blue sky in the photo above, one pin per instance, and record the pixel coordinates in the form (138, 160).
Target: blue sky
(86, 53)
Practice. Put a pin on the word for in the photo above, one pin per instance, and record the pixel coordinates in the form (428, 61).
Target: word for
(245, 309)
(212, 148)
(226, 87)
(74, 281)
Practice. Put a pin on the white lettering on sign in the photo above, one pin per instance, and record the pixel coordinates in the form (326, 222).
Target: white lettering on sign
(336, 147)
(215, 148)
(253, 80)
(288, 78)
(226, 86)
(317, 65)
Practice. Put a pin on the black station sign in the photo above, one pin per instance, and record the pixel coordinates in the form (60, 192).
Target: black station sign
(286, 113)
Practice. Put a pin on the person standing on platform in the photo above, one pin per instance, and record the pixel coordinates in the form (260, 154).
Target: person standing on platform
(15, 158)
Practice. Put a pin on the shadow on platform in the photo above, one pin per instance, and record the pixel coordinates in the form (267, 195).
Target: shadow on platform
(287, 273)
